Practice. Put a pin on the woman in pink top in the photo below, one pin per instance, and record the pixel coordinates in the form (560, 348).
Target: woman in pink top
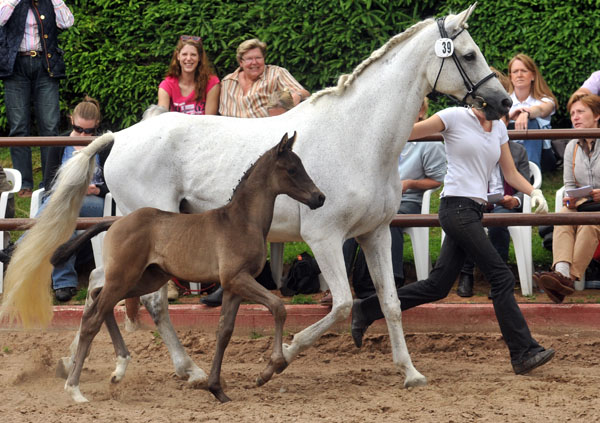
(190, 86)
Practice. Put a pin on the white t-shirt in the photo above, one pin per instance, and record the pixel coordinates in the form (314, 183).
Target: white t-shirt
(530, 102)
(471, 152)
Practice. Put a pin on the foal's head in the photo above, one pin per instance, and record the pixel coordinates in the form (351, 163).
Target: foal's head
(290, 177)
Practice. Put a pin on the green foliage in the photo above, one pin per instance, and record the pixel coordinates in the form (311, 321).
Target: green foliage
(302, 299)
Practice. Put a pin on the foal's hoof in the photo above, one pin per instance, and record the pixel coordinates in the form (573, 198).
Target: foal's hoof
(220, 395)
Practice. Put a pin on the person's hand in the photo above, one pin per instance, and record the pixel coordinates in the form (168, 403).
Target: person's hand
(407, 184)
(93, 190)
(539, 202)
(569, 202)
(595, 194)
(509, 202)
(522, 120)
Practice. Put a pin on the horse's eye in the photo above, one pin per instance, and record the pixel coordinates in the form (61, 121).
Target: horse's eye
(292, 172)
(469, 57)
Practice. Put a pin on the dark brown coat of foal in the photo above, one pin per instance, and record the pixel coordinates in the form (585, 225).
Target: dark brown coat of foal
(228, 245)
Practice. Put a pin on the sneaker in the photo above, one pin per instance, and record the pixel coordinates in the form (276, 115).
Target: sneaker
(533, 361)
(213, 300)
(64, 294)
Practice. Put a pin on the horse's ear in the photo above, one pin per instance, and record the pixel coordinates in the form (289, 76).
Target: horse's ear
(286, 143)
(459, 22)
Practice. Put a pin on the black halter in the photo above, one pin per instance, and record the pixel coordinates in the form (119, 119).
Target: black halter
(471, 88)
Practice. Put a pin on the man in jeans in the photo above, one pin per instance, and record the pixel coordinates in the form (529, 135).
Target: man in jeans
(30, 65)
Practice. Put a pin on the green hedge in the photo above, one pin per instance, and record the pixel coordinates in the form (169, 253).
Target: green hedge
(118, 50)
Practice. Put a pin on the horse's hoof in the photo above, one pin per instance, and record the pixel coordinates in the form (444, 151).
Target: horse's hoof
(130, 325)
(414, 382)
(288, 354)
(63, 367)
(220, 395)
(197, 378)
(281, 368)
(75, 393)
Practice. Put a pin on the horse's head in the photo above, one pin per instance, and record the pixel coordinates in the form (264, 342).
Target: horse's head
(459, 69)
(291, 177)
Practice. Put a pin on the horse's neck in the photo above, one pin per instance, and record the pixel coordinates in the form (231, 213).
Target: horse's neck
(383, 102)
(255, 199)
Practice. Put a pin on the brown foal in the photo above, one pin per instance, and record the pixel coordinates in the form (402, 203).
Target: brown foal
(228, 245)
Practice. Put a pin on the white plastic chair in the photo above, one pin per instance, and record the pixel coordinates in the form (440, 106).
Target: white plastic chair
(521, 237)
(14, 177)
(419, 237)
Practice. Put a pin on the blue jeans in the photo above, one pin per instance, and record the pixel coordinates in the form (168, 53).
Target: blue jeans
(460, 218)
(499, 237)
(65, 276)
(30, 85)
(533, 147)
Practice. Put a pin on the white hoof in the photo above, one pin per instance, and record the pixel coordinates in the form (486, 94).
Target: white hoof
(131, 326)
(415, 381)
(197, 377)
(119, 372)
(63, 367)
(75, 393)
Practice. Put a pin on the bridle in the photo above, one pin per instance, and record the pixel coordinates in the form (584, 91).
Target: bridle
(471, 88)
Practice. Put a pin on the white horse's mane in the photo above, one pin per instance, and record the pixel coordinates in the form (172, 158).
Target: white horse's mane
(346, 80)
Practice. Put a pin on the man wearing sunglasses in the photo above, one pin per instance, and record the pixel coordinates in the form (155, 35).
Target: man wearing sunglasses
(30, 65)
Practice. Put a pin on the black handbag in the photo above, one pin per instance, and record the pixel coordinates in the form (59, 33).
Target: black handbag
(589, 206)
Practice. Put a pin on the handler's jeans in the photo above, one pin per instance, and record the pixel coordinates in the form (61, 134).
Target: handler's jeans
(30, 85)
(460, 218)
(499, 237)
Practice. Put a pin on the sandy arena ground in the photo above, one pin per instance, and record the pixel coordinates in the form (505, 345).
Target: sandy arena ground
(470, 380)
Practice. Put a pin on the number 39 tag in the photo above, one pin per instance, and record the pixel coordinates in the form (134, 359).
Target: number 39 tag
(444, 47)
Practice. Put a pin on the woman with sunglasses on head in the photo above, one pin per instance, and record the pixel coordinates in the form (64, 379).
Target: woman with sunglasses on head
(191, 85)
(85, 120)
(474, 145)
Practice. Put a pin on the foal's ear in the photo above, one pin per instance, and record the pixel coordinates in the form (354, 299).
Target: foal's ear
(286, 143)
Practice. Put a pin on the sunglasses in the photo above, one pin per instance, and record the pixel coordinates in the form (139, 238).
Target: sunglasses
(88, 131)
(193, 38)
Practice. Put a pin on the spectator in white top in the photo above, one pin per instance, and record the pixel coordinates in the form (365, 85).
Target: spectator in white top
(591, 85)
(533, 106)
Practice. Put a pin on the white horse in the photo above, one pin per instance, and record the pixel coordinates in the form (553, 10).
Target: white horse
(177, 162)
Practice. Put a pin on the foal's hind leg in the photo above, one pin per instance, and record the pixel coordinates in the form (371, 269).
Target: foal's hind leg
(229, 309)
(64, 365)
(123, 356)
(90, 325)
(157, 306)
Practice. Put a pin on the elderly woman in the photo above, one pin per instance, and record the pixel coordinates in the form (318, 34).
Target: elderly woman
(533, 103)
(247, 91)
(573, 246)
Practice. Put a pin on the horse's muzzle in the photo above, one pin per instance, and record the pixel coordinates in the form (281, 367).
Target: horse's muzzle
(316, 200)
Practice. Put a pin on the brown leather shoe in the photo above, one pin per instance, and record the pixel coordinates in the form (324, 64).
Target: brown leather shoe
(25, 193)
(556, 286)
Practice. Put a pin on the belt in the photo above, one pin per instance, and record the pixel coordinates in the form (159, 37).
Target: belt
(31, 53)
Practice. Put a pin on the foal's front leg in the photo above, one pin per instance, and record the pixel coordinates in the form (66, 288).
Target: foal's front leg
(230, 306)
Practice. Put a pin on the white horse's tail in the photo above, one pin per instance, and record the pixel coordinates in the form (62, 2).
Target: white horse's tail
(27, 282)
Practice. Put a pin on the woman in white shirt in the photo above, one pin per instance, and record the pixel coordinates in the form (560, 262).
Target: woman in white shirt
(473, 146)
(533, 103)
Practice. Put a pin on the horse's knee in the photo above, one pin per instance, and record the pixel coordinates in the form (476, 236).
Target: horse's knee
(341, 311)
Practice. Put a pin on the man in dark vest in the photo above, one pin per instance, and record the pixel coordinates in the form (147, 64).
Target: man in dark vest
(30, 65)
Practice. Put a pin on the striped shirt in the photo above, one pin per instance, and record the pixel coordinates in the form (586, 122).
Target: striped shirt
(253, 104)
(31, 41)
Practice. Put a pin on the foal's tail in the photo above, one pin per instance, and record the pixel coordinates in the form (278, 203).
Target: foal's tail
(73, 245)
(27, 281)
